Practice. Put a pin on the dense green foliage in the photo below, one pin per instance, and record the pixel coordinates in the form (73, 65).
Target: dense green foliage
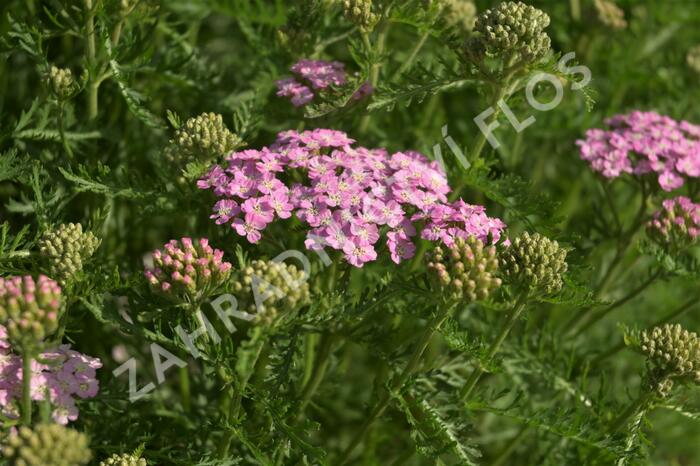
(97, 107)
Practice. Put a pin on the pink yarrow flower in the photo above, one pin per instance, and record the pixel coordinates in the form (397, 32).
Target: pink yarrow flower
(641, 143)
(348, 197)
(315, 76)
(62, 375)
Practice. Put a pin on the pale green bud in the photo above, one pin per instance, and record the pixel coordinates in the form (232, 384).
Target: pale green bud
(535, 262)
(124, 460)
(47, 445)
(674, 351)
(201, 139)
(65, 250)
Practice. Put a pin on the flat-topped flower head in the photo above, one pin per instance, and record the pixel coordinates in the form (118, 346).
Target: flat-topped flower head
(641, 143)
(65, 250)
(360, 13)
(312, 77)
(59, 376)
(535, 262)
(348, 197)
(47, 445)
(512, 31)
(29, 309)
(268, 289)
(677, 225)
(124, 460)
(466, 270)
(201, 139)
(187, 270)
(673, 351)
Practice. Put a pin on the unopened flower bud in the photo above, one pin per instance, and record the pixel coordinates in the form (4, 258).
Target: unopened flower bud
(204, 274)
(535, 262)
(61, 83)
(124, 460)
(513, 31)
(610, 14)
(29, 310)
(47, 445)
(360, 13)
(466, 271)
(693, 58)
(65, 250)
(201, 139)
(267, 289)
(673, 351)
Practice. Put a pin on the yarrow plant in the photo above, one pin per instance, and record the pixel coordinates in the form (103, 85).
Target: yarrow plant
(349, 198)
(273, 233)
(641, 143)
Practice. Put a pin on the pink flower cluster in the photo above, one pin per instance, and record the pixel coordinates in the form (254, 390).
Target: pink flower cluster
(58, 376)
(187, 269)
(311, 74)
(678, 223)
(644, 142)
(348, 196)
(315, 75)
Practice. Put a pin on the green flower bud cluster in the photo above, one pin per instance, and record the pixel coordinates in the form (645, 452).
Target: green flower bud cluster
(674, 351)
(29, 310)
(693, 58)
(610, 14)
(459, 13)
(513, 31)
(267, 289)
(61, 83)
(465, 271)
(124, 460)
(47, 445)
(536, 262)
(201, 139)
(66, 249)
(655, 381)
(360, 13)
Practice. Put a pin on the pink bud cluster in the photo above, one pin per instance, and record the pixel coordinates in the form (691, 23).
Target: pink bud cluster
(187, 269)
(678, 223)
(29, 309)
(315, 75)
(348, 196)
(644, 142)
(58, 376)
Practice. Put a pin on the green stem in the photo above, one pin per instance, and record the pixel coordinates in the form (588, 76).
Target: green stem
(235, 406)
(475, 153)
(61, 131)
(376, 66)
(396, 384)
(640, 404)
(632, 294)
(414, 53)
(185, 389)
(323, 357)
(495, 346)
(512, 445)
(26, 388)
(91, 52)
